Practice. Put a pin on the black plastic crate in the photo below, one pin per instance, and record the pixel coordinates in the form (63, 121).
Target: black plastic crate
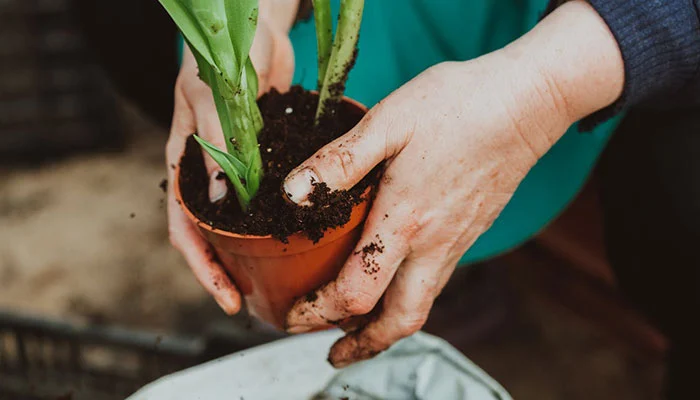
(45, 359)
(54, 100)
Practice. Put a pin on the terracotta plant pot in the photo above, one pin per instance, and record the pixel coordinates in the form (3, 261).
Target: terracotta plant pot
(272, 275)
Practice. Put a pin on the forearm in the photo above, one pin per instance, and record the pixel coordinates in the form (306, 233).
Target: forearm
(566, 68)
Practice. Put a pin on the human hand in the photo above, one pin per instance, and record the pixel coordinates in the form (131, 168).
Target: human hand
(194, 111)
(457, 141)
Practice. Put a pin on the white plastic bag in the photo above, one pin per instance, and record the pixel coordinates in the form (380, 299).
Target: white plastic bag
(419, 367)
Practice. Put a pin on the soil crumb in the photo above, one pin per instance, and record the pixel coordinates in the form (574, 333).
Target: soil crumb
(370, 265)
(311, 297)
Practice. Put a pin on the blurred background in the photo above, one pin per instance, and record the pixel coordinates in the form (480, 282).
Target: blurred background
(94, 302)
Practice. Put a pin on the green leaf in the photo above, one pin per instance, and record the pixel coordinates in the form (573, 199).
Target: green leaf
(252, 178)
(180, 12)
(344, 46)
(206, 70)
(250, 85)
(324, 36)
(242, 16)
(224, 159)
(251, 80)
(233, 168)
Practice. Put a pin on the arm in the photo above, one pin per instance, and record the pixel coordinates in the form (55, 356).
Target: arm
(459, 139)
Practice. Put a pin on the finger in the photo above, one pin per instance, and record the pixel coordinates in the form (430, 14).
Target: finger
(282, 64)
(183, 234)
(404, 311)
(344, 162)
(261, 56)
(367, 272)
(202, 260)
(209, 128)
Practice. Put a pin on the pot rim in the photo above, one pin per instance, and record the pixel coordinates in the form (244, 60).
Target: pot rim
(206, 226)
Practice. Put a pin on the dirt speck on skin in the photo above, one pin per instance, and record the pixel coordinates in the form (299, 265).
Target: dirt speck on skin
(371, 266)
(163, 185)
(311, 297)
(132, 215)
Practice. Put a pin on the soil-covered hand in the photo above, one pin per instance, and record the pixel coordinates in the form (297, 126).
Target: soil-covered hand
(457, 141)
(273, 59)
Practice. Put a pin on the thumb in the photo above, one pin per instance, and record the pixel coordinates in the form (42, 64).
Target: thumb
(342, 163)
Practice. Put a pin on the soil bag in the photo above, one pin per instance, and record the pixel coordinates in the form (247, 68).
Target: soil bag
(419, 367)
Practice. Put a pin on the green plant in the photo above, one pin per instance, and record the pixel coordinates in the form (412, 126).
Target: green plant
(220, 34)
(335, 63)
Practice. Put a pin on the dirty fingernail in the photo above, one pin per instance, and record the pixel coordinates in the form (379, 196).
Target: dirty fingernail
(299, 185)
(340, 363)
(217, 186)
(298, 329)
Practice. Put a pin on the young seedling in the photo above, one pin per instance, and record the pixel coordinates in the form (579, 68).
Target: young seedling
(334, 68)
(220, 34)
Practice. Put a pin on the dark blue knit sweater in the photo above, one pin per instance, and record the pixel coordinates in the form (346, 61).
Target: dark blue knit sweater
(660, 44)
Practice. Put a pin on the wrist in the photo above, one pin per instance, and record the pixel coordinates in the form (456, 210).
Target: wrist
(573, 62)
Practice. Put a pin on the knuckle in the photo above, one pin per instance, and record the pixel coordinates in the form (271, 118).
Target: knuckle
(358, 306)
(412, 226)
(411, 324)
(342, 161)
(355, 302)
(170, 145)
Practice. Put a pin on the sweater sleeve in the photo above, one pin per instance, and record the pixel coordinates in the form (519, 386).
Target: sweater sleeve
(660, 45)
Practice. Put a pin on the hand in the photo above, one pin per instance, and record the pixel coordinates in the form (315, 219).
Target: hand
(457, 141)
(273, 58)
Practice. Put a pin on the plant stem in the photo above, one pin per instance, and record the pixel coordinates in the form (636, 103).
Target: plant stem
(241, 122)
(342, 55)
(324, 37)
(245, 121)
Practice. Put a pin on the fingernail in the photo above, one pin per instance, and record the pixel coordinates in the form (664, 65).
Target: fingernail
(299, 186)
(340, 363)
(217, 187)
(298, 329)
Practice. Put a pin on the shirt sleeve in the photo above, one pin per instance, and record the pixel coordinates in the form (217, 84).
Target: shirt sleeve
(660, 45)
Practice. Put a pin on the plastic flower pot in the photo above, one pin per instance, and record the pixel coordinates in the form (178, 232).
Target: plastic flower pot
(272, 275)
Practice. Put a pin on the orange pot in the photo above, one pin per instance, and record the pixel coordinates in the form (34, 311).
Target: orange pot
(272, 275)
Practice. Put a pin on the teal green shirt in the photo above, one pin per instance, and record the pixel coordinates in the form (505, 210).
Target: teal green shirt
(400, 39)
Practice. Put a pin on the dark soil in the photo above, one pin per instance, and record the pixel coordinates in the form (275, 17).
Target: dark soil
(286, 141)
